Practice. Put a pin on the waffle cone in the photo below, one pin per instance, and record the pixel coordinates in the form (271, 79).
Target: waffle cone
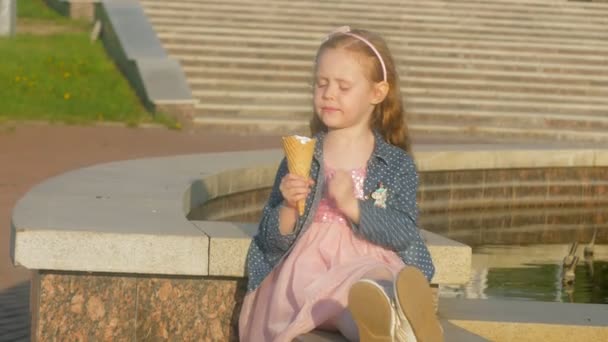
(299, 158)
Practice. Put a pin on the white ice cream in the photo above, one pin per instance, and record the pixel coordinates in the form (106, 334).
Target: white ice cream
(301, 139)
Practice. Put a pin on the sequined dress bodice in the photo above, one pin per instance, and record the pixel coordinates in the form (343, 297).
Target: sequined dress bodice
(327, 211)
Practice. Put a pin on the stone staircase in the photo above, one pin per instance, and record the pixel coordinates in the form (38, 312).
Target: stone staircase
(525, 69)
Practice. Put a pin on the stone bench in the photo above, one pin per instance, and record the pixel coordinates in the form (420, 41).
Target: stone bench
(112, 240)
(114, 255)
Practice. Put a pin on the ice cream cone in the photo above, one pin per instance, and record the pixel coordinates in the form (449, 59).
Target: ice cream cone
(299, 151)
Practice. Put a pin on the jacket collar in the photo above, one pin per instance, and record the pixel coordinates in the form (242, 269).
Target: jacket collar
(381, 147)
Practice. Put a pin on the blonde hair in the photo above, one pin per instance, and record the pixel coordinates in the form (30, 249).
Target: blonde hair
(388, 116)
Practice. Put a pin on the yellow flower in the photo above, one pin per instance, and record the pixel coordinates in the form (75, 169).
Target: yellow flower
(66, 96)
(17, 79)
(66, 74)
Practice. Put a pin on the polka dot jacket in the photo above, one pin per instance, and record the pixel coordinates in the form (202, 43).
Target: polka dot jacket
(391, 225)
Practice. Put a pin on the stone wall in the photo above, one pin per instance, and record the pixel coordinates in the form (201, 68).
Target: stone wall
(125, 307)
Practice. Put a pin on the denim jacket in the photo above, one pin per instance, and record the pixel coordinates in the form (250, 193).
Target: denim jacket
(392, 226)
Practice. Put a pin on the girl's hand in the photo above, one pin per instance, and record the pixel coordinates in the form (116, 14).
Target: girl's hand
(294, 188)
(342, 190)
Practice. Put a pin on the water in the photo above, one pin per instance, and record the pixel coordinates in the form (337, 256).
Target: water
(534, 272)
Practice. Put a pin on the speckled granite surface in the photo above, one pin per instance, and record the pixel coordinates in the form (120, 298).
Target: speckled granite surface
(111, 307)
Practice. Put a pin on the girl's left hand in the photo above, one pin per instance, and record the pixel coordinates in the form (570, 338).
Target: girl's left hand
(342, 190)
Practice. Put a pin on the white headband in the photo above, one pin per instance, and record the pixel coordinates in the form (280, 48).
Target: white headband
(346, 30)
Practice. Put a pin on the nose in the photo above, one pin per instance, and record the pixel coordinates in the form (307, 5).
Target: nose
(329, 92)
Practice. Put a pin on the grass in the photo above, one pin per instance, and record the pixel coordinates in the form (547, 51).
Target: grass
(37, 9)
(63, 77)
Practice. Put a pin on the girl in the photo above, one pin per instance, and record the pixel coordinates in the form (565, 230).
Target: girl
(355, 261)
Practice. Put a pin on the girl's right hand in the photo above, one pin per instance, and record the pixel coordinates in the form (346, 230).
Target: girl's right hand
(294, 188)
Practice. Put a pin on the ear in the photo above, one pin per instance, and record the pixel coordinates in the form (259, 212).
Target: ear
(379, 92)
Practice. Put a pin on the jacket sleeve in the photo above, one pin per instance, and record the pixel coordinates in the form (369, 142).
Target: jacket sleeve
(269, 238)
(395, 226)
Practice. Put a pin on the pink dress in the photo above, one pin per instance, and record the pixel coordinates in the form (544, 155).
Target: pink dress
(309, 288)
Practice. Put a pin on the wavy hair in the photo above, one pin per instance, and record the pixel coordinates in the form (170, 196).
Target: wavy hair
(388, 116)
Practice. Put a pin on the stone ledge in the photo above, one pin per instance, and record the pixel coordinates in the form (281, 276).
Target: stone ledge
(131, 41)
(113, 252)
(508, 320)
(229, 242)
(141, 205)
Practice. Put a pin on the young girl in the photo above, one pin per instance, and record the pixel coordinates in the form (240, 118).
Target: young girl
(355, 261)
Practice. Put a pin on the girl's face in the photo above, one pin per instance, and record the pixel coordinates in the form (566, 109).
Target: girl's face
(343, 95)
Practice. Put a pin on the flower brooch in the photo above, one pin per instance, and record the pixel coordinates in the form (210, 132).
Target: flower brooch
(379, 195)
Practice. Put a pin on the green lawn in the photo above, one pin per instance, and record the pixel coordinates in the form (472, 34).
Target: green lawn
(63, 76)
(37, 9)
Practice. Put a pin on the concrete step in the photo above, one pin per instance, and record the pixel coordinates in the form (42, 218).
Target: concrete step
(467, 94)
(496, 75)
(407, 72)
(428, 9)
(469, 67)
(438, 47)
(199, 85)
(508, 119)
(523, 4)
(263, 13)
(285, 106)
(504, 86)
(213, 87)
(582, 58)
(412, 27)
(188, 57)
(562, 54)
(558, 6)
(200, 75)
(226, 27)
(413, 103)
(514, 133)
(502, 10)
(253, 111)
(299, 124)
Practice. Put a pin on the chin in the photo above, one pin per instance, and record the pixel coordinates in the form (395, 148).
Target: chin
(331, 123)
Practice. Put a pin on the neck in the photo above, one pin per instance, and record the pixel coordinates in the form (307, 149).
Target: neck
(349, 135)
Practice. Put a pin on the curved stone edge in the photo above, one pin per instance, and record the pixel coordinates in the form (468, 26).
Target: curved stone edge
(130, 216)
(505, 157)
(132, 43)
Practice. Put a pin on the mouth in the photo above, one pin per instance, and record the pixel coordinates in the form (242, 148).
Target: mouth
(327, 109)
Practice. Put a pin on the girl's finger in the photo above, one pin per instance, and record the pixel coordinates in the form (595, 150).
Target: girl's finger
(297, 184)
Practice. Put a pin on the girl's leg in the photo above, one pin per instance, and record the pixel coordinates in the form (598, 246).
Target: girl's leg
(347, 327)
(379, 273)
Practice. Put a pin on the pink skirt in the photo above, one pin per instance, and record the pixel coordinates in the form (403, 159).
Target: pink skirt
(309, 288)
